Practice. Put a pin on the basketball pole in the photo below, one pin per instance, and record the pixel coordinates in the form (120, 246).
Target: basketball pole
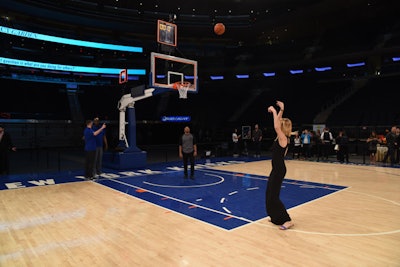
(126, 105)
(127, 155)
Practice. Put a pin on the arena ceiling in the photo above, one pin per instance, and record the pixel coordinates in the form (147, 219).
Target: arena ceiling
(257, 32)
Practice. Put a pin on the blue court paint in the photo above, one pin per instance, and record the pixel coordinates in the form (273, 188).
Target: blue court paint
(221, 198)
(38, 179)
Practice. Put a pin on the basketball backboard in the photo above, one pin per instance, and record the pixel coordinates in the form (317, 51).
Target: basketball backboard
(166, 33)
(168, 70)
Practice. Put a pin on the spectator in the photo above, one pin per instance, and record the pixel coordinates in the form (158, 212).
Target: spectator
(316, 143)
(397, 146)
(372, 143)
(235, 141)
(306, 142)
(327, 139)
(6, 145)
(296, 145)
(257, 137)
(343, 142)
(391, 144)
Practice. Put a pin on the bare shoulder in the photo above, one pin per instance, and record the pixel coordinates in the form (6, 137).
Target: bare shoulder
(282, 139)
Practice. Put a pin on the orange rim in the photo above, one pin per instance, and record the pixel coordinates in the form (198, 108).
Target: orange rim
(177, 85)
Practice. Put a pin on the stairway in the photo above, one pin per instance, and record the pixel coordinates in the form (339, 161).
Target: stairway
(322, 117)
(255, 93)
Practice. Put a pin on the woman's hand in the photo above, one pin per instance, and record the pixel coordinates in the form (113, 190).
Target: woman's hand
(280, 105)
(271, 109)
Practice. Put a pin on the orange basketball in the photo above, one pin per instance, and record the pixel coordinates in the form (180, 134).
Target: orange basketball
(219, 28)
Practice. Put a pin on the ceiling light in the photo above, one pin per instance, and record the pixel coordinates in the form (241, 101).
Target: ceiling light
(323, 68)
(351, 65)
(296, 71)
(269, 74)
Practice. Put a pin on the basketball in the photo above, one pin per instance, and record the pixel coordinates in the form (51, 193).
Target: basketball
(219, 28)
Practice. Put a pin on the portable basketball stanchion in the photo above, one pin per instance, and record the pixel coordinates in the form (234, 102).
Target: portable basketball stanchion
(127, 155)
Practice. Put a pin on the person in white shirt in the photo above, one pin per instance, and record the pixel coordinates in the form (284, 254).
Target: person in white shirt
(235, 141)
(296, 145)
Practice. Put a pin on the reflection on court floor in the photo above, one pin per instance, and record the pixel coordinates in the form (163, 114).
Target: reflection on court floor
(221, 198)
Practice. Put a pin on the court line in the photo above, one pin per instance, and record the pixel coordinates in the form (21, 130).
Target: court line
(360, 166)
(381, 198)
(336, 234)
(257, 222)
(181, 201)
(213, 210)
(340, 234)
(287, 180)
(189, 186)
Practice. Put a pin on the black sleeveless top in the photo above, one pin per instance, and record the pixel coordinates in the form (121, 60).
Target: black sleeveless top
(278, 158)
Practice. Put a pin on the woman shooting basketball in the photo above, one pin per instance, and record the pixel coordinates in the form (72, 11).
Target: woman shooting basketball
(275, 208)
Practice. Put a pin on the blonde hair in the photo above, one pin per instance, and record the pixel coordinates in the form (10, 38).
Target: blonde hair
(286, 126)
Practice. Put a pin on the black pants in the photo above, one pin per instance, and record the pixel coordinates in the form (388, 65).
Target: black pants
(4, 163)
(97, 168)
(296, 151)
(235, 148)
(90, 157)
(343, 153)
(317, 150)
(326, 149)
(257, 148)
(276, 210)
(186, 158)
(306, 150)
(390, 154)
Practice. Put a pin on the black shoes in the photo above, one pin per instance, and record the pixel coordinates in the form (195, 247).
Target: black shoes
(191, 176)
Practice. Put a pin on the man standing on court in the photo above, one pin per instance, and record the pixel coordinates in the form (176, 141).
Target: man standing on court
(101, 145)
(89, 136)
(187, 151)
(6, 145)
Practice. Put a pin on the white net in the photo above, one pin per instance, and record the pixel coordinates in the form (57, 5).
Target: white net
(183, 88)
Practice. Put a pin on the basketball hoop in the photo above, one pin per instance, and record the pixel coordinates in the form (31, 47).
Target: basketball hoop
(183, 88)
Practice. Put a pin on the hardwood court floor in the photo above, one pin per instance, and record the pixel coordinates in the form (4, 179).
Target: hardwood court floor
(87, 224)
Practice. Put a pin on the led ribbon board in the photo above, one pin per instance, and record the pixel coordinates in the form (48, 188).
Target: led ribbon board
(68, 41)
(70, 68)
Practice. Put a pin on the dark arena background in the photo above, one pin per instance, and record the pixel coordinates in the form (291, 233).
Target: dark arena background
(334, 63)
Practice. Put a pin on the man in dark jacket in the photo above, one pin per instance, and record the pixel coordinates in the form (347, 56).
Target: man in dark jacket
(391, 144)
(6, 145)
